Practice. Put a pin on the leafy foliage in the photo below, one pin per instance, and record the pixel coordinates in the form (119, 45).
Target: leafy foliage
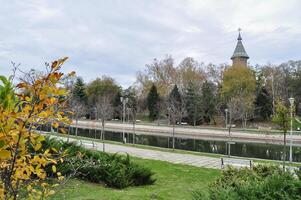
(262, 182)
(39, 100)
(113, 170)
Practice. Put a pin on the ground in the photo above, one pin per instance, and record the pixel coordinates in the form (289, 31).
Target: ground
(174, 182)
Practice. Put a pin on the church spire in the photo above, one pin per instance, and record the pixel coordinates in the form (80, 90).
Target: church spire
(240, 54)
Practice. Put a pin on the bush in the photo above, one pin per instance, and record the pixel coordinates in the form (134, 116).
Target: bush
(94, 166)
(261, 182)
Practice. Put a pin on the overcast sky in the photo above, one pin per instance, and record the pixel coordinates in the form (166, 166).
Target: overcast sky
(118, 38)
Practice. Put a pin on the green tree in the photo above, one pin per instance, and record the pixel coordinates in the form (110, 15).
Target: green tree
(117, 106)
(264, 104)
(282, 118)
(239, 85)
(175, 96)
(208, 101)
(102, 86)
(193, 104)
(153, 100)
(79, 90)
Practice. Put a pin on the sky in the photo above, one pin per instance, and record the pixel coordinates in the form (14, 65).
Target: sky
(118, 37)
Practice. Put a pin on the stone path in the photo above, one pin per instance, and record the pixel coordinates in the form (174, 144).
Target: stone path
(187, 159)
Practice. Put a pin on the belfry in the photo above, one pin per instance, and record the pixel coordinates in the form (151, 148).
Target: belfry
(240, 56)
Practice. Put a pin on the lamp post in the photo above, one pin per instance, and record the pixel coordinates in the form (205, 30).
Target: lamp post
(292, 101)
(230, 125)
(124, 101)
(226, 111)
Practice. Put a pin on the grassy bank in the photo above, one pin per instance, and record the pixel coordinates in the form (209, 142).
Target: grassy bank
(174, 182)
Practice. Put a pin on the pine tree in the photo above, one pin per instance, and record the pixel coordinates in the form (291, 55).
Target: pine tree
(117, 105)
(208, 101)
(153, 100)
(175, 95)
(263, 104)
(79, 92)
(192, 104)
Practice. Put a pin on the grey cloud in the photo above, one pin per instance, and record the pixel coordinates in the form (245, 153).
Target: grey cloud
(118, 37)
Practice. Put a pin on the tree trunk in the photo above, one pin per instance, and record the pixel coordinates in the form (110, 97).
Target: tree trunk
(173, 136)
(103, 134)
(284, 150)
(134, 131)
(76, 126)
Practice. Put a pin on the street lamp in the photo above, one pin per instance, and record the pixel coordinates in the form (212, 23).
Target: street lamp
(226, 111)
(124, 101)
(292, 101)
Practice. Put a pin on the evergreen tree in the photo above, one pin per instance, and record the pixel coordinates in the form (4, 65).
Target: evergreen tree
(263, 104)
(153, 100)
(79, 91)
(117, 105)
(208, 101)
(175, 96)
(193, 104)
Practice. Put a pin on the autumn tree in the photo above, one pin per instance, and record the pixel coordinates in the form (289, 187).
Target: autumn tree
(189, 70)
(160, 72)
(40, 100)
(239, 83)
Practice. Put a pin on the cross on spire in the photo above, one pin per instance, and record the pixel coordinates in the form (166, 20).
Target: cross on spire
(239, 36)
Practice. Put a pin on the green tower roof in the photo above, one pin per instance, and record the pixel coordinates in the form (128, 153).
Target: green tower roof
(239, 51)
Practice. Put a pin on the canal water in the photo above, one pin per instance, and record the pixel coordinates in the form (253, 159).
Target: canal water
(252, 150)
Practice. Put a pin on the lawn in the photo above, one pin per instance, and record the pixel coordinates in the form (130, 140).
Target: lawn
(174, 181)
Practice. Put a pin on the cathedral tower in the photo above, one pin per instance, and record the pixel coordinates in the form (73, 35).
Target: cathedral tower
(240, 56)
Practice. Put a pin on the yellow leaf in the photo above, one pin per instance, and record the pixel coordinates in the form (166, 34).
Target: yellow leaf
(4, 154)
(51, 192)
(37, 146)
(53, 168)
(55, 124)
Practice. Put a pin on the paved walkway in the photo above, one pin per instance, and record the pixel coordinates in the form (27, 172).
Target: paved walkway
(194, 133)
(187, 159)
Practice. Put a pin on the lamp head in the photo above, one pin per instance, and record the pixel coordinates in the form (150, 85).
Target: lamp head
(292, 100)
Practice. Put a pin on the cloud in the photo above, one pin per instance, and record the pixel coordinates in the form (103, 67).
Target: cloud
(118, 38)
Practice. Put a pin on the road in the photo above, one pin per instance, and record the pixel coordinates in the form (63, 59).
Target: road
(192, 132)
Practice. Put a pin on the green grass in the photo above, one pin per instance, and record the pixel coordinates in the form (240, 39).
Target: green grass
(174, 182)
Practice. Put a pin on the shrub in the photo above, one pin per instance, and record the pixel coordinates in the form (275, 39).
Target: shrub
(94, 166)
(261, 182)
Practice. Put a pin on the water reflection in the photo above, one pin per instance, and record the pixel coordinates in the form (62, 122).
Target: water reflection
(253, 150)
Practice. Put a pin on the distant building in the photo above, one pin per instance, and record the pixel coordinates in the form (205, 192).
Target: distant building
(240, 56)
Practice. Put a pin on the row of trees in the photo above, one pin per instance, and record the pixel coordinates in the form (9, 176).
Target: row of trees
(207, 90)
